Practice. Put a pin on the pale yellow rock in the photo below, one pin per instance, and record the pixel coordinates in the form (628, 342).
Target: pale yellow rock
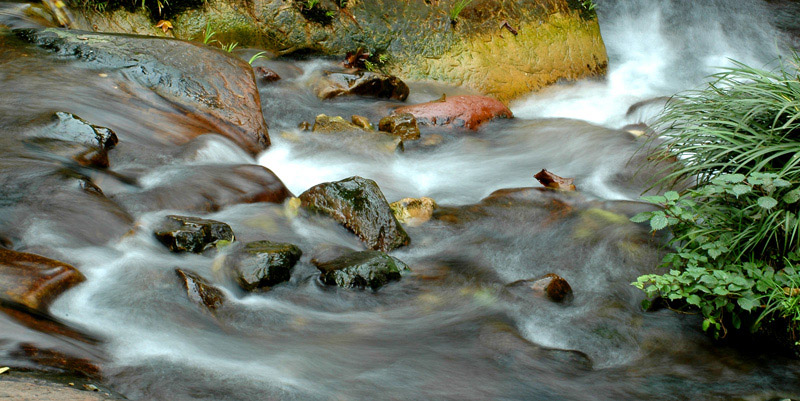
(413, 211)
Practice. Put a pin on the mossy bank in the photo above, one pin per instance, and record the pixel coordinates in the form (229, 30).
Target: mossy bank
(501, 48)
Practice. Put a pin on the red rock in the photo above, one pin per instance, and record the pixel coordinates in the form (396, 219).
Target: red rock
(33, 280)
(459, 111)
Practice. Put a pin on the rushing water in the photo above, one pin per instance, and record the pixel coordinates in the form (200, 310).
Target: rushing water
(448, 330)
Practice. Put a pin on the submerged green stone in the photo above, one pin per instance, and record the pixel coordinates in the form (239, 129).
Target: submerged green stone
(364, 269)
(263, 264)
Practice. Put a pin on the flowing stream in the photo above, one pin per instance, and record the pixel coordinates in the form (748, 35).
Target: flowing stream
(451, 329)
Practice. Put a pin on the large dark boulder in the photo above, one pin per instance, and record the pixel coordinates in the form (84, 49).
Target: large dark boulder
(192, 234)
(215, 89)
(371, 269)
(32, 280)
(264, 264)
(358, 204)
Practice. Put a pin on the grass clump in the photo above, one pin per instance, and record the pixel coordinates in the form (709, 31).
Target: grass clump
(736, 230)
(458, 6)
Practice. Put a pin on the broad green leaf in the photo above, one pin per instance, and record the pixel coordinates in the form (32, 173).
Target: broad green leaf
(706, 324)
(693, 300)
(767, 202)
(792, 196)
(658, 222)
(740, 189)
(731, 178)
(747, 303)
(671, 196)
(657, 199)
(641, 217)
(781, 183)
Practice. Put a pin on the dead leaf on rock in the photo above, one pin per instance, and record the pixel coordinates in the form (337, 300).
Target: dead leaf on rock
(552, 181)
(164, 25)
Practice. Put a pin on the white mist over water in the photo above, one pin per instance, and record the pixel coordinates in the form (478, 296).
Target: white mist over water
(660, 48)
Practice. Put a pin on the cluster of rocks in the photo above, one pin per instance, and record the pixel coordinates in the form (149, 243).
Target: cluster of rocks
(466, 112)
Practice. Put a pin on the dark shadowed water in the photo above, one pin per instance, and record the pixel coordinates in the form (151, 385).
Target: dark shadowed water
(451, 328)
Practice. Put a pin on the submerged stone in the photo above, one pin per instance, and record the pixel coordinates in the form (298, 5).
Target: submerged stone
(361, 83)
(192, 234)
(34, 281)
(358, 204)
(550, 286)
(371, 269)
(200, 291)
(263, 264)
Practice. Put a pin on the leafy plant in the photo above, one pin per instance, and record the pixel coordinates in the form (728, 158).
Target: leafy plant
(208, 33)
(458, 6)
(228, 47)
(261, 54)
(736, 230)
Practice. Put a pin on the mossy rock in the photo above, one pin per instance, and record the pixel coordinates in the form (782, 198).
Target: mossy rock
(543, 41)
(371, 269)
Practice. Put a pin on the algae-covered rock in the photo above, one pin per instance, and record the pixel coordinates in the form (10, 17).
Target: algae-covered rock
(361, 83)
(358, 204)
(192, 234)
(551, 40)
(371, 269)
(263, 264)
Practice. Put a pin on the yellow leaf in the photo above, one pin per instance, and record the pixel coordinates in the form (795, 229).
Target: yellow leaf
(164, 25)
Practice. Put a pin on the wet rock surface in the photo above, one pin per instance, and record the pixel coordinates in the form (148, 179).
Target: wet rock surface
(358, 204)
(263, 264)
(550, 286)
(333, 124)
(26, 386)
(403, 125)
(192, 234)
(552, 181)
(371, 269)
(463, 111)
(34, 281)
(205, 188)
(361, 83)
(200, 291)
(413, 211)
(226, 96)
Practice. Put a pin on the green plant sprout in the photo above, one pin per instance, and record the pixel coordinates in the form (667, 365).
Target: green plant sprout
(457, 8)
(257, 56)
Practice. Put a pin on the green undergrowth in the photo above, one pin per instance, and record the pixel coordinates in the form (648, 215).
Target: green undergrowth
(157, 9)
(735, 231)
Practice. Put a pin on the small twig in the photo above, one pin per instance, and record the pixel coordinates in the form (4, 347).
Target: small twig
(506, 25)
